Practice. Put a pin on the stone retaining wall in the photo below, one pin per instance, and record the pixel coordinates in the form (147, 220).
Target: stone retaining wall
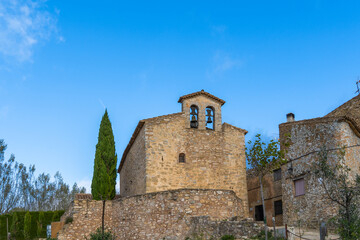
(206, 228)
(158, 215)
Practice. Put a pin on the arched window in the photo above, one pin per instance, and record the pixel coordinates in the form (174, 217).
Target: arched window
(210, 123)
(182, 158)
(194, 116)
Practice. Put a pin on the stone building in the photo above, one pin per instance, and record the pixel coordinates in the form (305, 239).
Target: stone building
(190, 149)
(272, 186)
(303, 198)
(181, 175)
(292, 194)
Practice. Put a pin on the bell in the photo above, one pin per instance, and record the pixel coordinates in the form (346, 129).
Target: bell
(193, 112)
(208, 113)
(193, 122)
(209, 120)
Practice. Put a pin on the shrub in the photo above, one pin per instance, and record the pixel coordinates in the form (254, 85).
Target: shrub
(55, 217)
(68, 220)
(261, 236)
(98, 236)
(228, 237)
(41, 231)
(27, 226)
(16, 226)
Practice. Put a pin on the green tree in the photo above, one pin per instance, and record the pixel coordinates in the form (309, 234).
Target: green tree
(16, 226)
(342, 187)
(27, 226)
(263, 158)
(99, 235)
(104, 176)
(14, 177)
(41, 230)
(55, 217)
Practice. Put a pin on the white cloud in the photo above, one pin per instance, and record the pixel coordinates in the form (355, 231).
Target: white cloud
(223, 62)
(23, 24)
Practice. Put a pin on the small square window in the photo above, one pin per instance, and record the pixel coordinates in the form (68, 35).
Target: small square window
(277, 174)
(299, 187)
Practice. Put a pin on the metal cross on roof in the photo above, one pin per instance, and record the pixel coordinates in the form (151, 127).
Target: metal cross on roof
(357, 85)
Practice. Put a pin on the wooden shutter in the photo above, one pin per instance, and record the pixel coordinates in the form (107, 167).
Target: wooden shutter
(299, 187)
(277, 174)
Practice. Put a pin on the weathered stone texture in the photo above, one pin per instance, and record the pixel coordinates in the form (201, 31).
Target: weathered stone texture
(215, 159)
(308, 137)
(272, 192)
(153, 216)
(132, 177)
(209, 229)
(202, 102)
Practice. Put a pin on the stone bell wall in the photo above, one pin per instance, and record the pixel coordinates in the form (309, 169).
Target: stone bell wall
(157, 215)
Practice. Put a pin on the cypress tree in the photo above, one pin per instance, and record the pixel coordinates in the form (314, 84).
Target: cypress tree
(15, 226)
(104, 176)
(55, 217)
(27, 226)
(41, 231)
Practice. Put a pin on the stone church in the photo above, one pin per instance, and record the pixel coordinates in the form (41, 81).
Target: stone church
(190, 149)
(181, 175)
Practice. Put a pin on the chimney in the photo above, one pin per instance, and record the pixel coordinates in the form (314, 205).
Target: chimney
(290, 117)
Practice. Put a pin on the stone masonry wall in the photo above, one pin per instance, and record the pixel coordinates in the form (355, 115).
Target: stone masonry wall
(308, 136)
(272, 192)
(202, 102)
(211, 229)
(214, 159)
(152, 216)
(132, 177)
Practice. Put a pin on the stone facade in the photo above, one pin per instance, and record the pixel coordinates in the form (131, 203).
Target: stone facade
(308, 137)
(272, 186)
(214, 158)
(168, 214)
(337, 129)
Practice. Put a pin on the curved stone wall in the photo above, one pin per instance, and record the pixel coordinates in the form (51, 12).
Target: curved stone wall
(152, 216)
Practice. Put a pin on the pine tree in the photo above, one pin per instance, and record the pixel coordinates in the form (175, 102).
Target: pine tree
(41, 231)
(104, 176)
(27, 226)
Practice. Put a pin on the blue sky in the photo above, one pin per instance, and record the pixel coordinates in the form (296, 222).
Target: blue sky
(62, 61)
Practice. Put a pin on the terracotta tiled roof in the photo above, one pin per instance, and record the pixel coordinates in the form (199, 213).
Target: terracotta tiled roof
(202, 92)
(88, 196)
